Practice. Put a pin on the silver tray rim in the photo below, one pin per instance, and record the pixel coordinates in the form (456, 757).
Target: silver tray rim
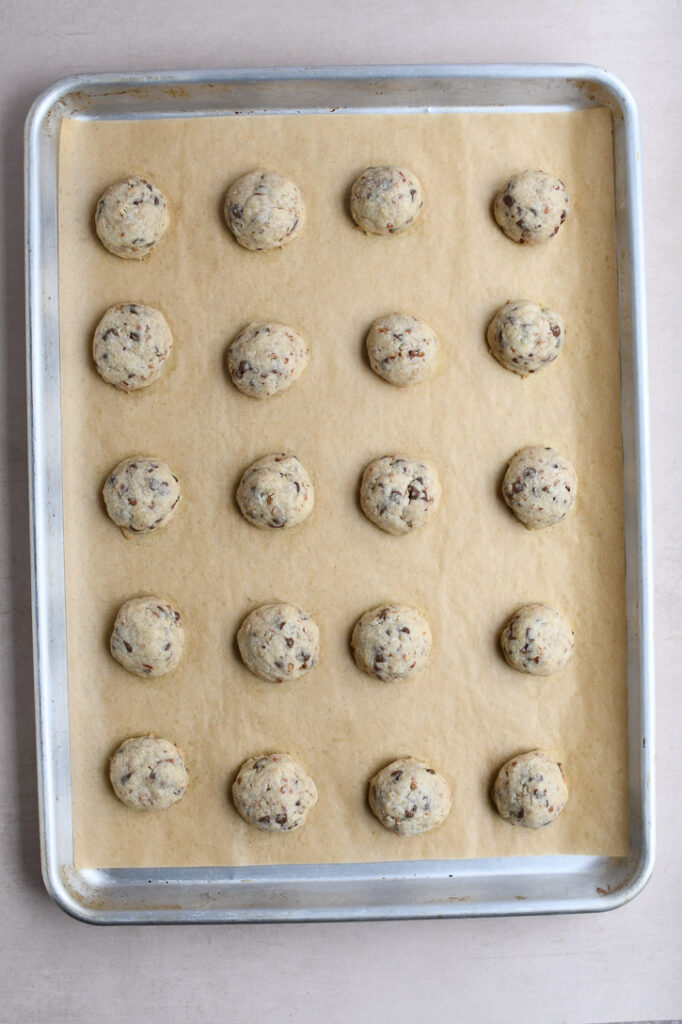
(415, 889)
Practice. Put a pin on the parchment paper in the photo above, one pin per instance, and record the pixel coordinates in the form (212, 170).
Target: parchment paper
(468, 571)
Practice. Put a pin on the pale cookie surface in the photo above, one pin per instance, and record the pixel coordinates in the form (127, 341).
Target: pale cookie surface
(148, 637)
(131, 218)
(279, 642)
(399, 494)
(530, 790)
(131, 346)
(148, 774)
(274, 793)
(409, 797)
(276, 493)
(524, 337)
(264, 211)
(531, 207)
(539, 486)
(141, 494)
(538, 640)
(391, 642)
(401, 349)
(266, 359)
(385, 200)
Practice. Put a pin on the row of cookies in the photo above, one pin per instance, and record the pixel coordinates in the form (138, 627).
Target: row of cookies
(397, 493)
(280, 641)
(274, 793)
(133, 342)
(265, 211)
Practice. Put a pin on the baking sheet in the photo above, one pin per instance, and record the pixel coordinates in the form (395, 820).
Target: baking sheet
(467, 712)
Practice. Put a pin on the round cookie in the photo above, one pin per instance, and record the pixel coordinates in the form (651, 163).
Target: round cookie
(385, 200)
(539, 486)
(531, 207)
(538, 640)
(530, 790)
(391, 642)
(409, 798)
(524, 337)
(264, 211)
(148, 637)
(148, 774)
(278, 642)
(131, 218)
(399, 494)
(273, 793)
(276, 493)
(401, 349)
(141, 494)
(131, 346)
(266, 359)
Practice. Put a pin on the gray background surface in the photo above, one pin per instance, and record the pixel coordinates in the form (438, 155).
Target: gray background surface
(624, 965)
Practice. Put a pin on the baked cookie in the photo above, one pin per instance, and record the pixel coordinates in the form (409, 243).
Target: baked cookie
(264, 211)
(273, 793)
(148, 773)
(131, 346)
(409, 797)
(537, 639)
(531, 207)
(278, 642)
(276, 493)
(266, 359)
(141, 494)
(530, 790)
(401, 349)
(391, 642)
(131, 218)
(524, 337)
(539, 486)
(148, 637)
(385, 200)
(399, 494)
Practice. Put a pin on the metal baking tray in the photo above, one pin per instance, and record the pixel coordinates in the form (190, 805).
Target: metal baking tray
(415, 889)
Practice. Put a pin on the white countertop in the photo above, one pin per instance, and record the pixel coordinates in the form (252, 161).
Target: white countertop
(620, 966)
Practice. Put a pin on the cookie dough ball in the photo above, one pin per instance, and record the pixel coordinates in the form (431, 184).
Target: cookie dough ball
(131, 218)
(537, 639)
(148, 637)
(266, 359)
(141, 494)
(409, 797)
(278, 642)
(531, 207)
(401, 349)
(399, 494)
(148, 774)
(385, 200)
(530, 790)
(524, 337)
(264, 211)
(276, 493)
(131, 346)
(391, 642)
(539, 486)
(274, 793)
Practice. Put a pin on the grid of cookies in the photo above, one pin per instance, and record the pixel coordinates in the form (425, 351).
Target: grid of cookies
(280, 642)
(378, 634)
